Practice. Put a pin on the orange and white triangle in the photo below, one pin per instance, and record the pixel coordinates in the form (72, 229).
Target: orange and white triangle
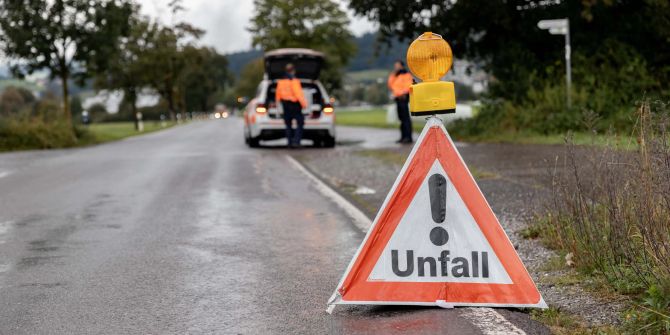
(463, 258)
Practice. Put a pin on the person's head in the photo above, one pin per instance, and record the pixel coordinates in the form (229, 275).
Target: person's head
(398, 65)
(290, 69)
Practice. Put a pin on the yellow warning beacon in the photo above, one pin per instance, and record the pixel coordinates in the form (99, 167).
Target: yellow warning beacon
(429, 58)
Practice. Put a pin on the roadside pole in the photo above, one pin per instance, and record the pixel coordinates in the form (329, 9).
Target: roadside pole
(568, 60)
(562, 27)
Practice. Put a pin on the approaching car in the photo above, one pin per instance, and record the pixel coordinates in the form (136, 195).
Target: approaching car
(264, 118)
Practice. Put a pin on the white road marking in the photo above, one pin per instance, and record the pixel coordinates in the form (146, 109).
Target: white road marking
(491, 322)
(360, 219)
(485, 319)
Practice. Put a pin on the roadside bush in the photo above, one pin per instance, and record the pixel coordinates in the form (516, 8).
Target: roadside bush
(607, 83)
(35, 133)
(611, 209)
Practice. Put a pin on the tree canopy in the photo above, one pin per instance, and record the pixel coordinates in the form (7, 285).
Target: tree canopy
(205, 73)
(503, 35)
(71, 38)
(620, 55)
(316, 24)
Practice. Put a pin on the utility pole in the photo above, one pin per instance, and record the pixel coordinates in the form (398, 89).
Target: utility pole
(562, 27)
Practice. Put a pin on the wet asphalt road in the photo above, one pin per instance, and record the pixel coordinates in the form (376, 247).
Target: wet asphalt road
(182, 231)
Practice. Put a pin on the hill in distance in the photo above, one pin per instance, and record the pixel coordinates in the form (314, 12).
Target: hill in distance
(369, 55)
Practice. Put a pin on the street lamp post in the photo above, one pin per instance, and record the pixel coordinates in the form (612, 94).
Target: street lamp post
(561, 27)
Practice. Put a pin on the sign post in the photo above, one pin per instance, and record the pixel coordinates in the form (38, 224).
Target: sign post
(561, 27)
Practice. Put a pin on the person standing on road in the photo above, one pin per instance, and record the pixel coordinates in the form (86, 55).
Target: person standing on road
(290, 96)
(399, 82)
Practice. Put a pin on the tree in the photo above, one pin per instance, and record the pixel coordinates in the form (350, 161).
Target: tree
(163, 61)
(71, 38)
(205, 72)
(251, 75)
(126, 71)
(97, 111)
(315, 24)
(75, 106)
(503, 34)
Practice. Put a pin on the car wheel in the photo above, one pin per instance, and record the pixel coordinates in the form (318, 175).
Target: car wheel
(253, 142)
(329, 142)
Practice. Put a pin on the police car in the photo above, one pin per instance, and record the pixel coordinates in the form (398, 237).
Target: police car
(263, 117)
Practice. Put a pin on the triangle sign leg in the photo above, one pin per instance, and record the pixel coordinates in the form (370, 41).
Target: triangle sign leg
(436, 240)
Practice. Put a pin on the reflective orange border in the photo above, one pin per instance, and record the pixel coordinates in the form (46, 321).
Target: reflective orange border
(356, 286)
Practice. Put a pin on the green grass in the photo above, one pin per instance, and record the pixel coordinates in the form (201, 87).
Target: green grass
(113, 131)
(363, 118)
(368, 75)
(579, 138)
(375, 118)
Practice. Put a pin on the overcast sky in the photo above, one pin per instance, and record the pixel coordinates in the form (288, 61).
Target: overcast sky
(225, 21)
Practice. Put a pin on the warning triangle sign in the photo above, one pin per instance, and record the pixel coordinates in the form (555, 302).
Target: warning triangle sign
(436, 241)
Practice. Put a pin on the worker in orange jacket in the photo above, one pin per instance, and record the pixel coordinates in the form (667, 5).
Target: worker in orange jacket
(289, 95)
(399, 82)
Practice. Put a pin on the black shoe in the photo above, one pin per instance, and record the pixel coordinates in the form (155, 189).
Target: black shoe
(399, 141)
(407, 141)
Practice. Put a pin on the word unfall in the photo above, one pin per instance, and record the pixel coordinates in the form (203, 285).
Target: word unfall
(475, 266)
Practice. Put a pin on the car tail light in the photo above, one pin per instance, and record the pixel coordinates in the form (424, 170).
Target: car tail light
(273, 105)
(261, 109)
(328, 109)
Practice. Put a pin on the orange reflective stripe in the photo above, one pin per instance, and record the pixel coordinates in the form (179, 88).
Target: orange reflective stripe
(435, 145)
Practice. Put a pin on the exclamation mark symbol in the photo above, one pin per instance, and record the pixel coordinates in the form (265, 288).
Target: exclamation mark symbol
(437, 188)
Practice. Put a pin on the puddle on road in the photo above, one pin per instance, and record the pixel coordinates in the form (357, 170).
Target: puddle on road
(4, 227)
(3, 268)
(32, 261)
(363, 190)
(43, 285)
(4, 230)
(28, 220)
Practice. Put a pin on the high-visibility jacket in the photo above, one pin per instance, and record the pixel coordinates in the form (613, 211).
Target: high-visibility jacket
(289, 89)
(399, 83)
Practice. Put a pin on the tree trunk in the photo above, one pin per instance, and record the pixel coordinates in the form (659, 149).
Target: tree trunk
(203, 105)
(133, 110)
(131, 98)
(170, 100)
(66, 97)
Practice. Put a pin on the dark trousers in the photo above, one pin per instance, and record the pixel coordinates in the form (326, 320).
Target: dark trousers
(402, 104)
(293, 110)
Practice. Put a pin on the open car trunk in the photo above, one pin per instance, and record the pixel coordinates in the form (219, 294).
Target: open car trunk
(313, 97)
(307, 63)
